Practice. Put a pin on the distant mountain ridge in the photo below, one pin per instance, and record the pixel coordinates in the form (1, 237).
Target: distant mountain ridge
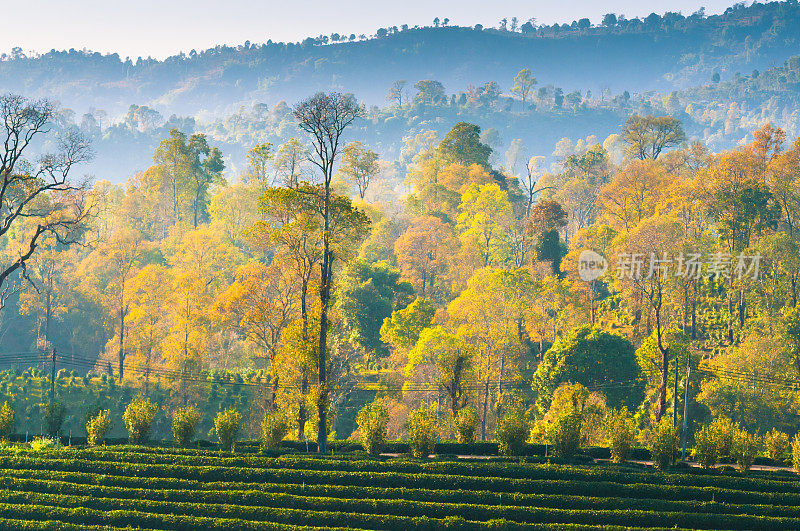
(659, 53)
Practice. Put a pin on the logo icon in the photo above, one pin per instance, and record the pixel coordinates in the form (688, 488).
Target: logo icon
(591, 265)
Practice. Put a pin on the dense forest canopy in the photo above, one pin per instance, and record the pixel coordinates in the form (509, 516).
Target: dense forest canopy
(534, 242)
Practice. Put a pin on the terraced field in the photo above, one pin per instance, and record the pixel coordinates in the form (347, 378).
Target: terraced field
(156, 488)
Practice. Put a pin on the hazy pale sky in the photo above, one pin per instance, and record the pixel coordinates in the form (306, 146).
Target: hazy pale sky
(164, 27)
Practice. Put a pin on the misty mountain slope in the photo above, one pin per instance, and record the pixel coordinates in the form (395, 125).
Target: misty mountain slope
(661, 53)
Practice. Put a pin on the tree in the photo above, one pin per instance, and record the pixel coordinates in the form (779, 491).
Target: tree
(138, 419)
(450, 357)
(462, 145)
(185, 170)
(42, 195)
(258, 162)
(369, 294)
(485, 216)
(635, 193)
(591, 357)
(396, 92)
(429, 92)
(652, 287)
(373, 420)
(184, 424)
(647, 136)
(111, 267)
(403, 328)
(489, 315)
(261, 303)
(227, 424)
(360, 164)
(423, 252)
(289, 162)
(325, 117)
(523, 84)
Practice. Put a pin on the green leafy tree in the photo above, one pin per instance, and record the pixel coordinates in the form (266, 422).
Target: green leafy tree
(663, 443)
(523, 84)
(512, 431)
(360, 165)
(53, 413)
(745, 449)
(777, 444)
(373, 420)
(184, 424)
(422, 432)
(620, 428)
(564, 434)
(648, 136)
(274, 429)
(705, 449)
(138, 419)
(449, 357)
(369, 295)
(462, 145)
(7, 419)
(466, 425)
(403, 328)
(97, 426)
(227, 424)
(592, 357)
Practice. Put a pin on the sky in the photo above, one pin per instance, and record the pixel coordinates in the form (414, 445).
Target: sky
(160, 28)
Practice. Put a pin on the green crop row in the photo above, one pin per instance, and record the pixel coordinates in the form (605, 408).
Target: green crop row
(402, 503)
(313, 471)
(129, 478)
(333, 518)
(94, 519)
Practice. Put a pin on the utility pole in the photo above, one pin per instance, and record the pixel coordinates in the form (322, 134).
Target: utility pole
(685, 408)
(53, 381)
(675, 397)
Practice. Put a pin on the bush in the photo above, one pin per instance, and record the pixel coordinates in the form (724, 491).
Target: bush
(45, 443)
(466, 425)
(796, 453)
(138, 418)
(777, 445)
(227, 424)
(512, 431)
(274, 429)
(564, 434)
(7, 419)
(97, 426)
(723, 431)
(421, 427)
(184, 424)
(663, 443)
(745, 449)
(53, 415)
(620, 429)
(373, 421)
(705, 447)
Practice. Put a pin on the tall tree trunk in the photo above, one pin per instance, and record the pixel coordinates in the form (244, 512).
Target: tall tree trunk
(121, 352)
(485, 408)
(324, 295)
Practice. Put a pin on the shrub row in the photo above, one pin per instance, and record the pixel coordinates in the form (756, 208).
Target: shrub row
(337, 517)
(252, 466)
(146, 473)
(397, 502)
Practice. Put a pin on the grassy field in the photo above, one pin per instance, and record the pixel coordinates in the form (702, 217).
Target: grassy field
(165, 488)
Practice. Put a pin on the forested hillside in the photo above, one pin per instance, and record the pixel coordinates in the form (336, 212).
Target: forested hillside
(662, 53)
(586, 80)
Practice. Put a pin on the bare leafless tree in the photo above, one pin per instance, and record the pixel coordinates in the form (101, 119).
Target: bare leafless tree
(325, 117)
(38, 199)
